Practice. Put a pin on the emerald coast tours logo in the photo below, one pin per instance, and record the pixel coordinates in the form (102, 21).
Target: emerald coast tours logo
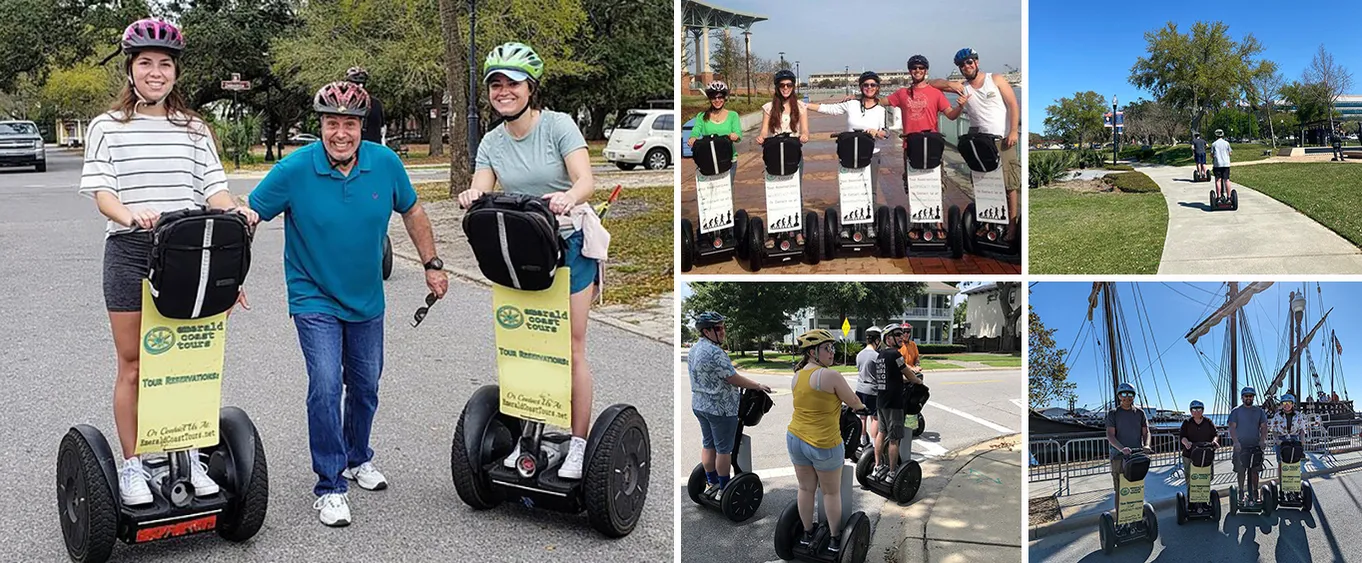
(158, 340)
(509, 317)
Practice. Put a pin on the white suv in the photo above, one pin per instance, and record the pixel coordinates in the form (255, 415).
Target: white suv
(643, 136)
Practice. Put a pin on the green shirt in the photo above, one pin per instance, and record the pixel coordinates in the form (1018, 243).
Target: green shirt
(732, 125)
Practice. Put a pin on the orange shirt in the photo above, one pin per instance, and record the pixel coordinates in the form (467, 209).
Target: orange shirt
(909, 352)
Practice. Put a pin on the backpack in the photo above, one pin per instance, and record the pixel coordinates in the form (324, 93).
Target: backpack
(713, 155)
(782, 155)
(980, 151)
(515, 240)
(854, 149)
(199, 259)
(925, 149)
(1135, 467)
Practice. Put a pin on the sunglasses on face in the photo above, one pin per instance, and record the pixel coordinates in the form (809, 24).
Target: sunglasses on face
(421, 312)
(869, 85)
(917, 67)
(1197, 409)
(1126, 394)
(786, 85)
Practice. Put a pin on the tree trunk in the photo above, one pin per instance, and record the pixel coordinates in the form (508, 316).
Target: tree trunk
(456, 78)
(597, 130)
(271, 131)
(437, 129)
(761, 352)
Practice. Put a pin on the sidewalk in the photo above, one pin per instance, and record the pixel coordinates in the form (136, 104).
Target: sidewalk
(966, 509)
(1091, 495)
(1264, 236)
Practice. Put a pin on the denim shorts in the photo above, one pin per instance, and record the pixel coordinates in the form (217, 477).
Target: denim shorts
(869, 400)
(822, 459)
(585, 271)
(718, 432)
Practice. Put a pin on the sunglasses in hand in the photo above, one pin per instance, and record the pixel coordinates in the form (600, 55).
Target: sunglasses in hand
(421, 312)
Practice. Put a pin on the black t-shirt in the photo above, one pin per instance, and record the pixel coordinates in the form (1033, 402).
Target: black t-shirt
(890, 370)
(373, 122)
(1193, 432)
(1199, 145)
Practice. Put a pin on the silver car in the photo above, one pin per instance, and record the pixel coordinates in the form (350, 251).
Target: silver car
(22, 145)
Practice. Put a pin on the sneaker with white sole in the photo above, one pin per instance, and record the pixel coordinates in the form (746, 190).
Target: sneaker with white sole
(367, 476)
(132, 483)
(204, 486)
(572, 467)
(335, 509)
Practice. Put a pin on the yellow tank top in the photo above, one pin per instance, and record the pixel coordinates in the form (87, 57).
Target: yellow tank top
(816, 412)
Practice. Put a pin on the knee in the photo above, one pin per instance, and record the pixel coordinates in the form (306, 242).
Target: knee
(129, 370)
(579, 344)
(808, 487)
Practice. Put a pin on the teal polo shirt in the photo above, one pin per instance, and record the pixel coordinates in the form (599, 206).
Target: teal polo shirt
(334, 226)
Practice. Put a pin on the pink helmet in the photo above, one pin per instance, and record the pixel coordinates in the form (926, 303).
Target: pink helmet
(152, 34)
(342, 98)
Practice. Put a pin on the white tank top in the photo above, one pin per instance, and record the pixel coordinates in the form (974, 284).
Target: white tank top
(986, 108)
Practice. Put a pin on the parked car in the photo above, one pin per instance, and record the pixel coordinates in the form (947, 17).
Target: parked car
(302, 139)
(642, 136)
(22, 145)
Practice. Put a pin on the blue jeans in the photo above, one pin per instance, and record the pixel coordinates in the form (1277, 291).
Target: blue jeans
(348, 357)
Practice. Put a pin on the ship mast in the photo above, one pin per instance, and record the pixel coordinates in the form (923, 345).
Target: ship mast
(1234, 348)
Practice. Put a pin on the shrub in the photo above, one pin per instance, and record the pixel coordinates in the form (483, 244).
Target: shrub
(941, 349)
(1048, 167)
(1089, 158)
(1131, 182)
(1118, 167)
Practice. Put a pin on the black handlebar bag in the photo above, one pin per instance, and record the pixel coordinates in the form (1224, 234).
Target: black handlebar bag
(753, 405)
(713, 155)
(855, 149)
(914, 398)
(1135, 467)
(782, 155)
(980, 151)
(1203, 456)
(1292, 451)
(515, 240)
(199, 259)
(925, 149)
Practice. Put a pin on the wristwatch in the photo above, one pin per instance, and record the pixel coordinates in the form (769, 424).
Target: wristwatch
(435, 264)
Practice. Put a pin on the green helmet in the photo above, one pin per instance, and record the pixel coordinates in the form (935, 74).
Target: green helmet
(515, 60)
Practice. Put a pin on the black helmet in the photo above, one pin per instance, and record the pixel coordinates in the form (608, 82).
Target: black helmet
(708, 319)
(357, 74)
(868, 75)
(918, 59)
(783, 74)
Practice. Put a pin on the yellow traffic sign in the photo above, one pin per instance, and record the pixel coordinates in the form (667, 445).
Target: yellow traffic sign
(846, 327)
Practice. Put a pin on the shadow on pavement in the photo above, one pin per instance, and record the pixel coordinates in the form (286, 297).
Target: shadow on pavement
(1196, 205)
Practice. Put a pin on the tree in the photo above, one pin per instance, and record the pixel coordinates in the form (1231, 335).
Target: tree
(40, 36)
(1076, 119)
(1199, 72)
(961, 312)
(1333, 78)
(729, 56)
(758, 312)
(1047, 374)
(82, 91)
(1265, 89)
(866, 301)
(1311, 101)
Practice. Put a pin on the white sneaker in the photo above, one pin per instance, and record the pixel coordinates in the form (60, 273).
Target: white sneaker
(509, 462)
(572, 467)
(335, 509)
(132, 483)
(198, 475)
(367, 476)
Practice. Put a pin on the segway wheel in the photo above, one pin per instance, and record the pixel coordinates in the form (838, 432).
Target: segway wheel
(1151, 523)
(1234, 200)
(1307, 497)
(742, 497)
(696, 485)
(968, 226)
(813, 238)
(616, 483)
(1182, 508)
(85, 500)
(864, 466)
(1215, 504)
(497, 441)
(901, 226)
(831, 234)
(884, 231)
(1234, 500)
(954, 232)
(855, 539)
(1015, 247)
(788, 528)
(756, 244)
(740, 222)
(1106, 533)
(387, 257)
(1269, 501)
(907, 481)
(250, 483)
(921, 425)
(1214, 203)
(1272, 490)
(687, 245)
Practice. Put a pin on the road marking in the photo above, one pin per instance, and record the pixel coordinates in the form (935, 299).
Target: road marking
(962, 414)
(1018, 402)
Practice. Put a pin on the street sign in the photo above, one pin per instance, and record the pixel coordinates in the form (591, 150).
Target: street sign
(1120, 119)
(846, 327)
(236, 84)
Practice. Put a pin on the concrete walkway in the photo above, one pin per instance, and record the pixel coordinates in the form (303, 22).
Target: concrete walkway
(1264, 236)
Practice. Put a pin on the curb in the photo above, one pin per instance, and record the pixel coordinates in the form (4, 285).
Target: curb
(928, 502)
(477, 277)
(1070, 524)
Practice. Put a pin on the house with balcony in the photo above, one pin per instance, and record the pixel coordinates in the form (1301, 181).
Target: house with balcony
(982, 330)
(932, 316)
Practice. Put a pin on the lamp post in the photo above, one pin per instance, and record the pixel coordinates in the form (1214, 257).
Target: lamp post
(472, 83)
(797, 78)
(846, 77)
(1113, 129)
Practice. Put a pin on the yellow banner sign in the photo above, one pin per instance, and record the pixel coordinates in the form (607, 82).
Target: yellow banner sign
(1291, 477)
(180, 387)
(1199, 484)
(1130, 502)
(534, 351)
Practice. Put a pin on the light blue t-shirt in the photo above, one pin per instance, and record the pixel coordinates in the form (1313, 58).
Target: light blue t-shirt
(710, 390)
(533, 165)
(1247, 421)
(334, 227)
(1220, 152)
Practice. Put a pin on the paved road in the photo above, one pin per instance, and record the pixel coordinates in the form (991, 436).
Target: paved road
(966, 407)
(1288, 535)
(58, 370)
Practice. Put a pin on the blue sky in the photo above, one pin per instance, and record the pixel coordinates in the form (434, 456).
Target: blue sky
(881, 35)
(1174, 308)
(1093, 48)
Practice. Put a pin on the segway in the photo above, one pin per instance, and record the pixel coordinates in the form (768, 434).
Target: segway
(986, 224)
(722, 230)
(1266, 501)
(1200, 502)
(788, 233)
(515, 241)
(741, 498)
(89, 503)
(855, 531)
(856, 223)
(903, 484)
(1134, 519)
(1225, 203)
(387, 257)
(1294, 492)
(1199, 176)
(922, 229)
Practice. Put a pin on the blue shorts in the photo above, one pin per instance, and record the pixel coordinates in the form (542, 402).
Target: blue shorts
(1201, 158)
(718, 432)
(869, 401)
(822, 459)
(585, 271)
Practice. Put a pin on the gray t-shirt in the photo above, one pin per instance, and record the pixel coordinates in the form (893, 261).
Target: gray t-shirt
(1246, 421)
(1128, 424)
(1199, 146)
(533, 165)
(865, 368)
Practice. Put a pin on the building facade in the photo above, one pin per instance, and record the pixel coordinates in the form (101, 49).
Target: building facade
(984, 320)
(932, 316)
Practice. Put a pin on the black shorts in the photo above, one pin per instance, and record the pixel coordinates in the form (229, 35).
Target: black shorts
(127, 259)
(869, 401)
(1221, 172)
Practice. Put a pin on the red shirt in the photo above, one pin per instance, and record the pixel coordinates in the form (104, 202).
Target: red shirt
(920, 111)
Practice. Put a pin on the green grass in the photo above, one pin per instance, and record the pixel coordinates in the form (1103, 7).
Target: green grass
(1323, 191)
(777, 362)
(641, 235)
(691, 105)
(1118, 167)
(1181, 155)
(929, 365)
(991, 360)
(1132, 182)
(1096, 233)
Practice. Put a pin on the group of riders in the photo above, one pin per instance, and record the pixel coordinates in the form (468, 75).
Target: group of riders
(888, 368)
(151, 154)
(985, 98)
